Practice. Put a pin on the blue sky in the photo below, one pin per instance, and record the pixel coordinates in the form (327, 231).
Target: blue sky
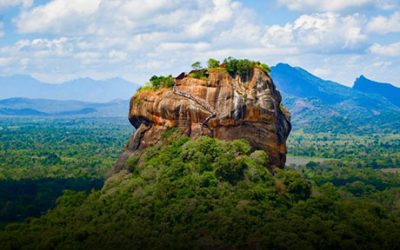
(60, 40)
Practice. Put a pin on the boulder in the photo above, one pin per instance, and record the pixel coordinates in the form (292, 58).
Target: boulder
(223, 107)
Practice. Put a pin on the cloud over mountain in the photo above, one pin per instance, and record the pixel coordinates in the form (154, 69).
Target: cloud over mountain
(60, 40)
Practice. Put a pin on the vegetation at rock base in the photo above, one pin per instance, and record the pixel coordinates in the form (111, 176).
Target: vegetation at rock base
(210, 194)
(20, 199)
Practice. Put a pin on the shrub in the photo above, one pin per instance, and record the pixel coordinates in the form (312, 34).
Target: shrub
(131, 162)
(231, 65)
(260, 157)
(264, 67)
(243, 67)
(162, 81)
(296, 186)
(196, 65)
(212, 63)
(199, 74)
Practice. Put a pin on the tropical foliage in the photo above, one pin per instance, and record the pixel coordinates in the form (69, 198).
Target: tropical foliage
(41, 157)
(157, 82)
(210, 194)
(243, 67)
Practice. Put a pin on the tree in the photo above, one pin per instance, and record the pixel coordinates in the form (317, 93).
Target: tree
(157, 82)
(265, 68)
(297, 187)
(244, 68)
(231, 65)
(197, 65)
(213, 63)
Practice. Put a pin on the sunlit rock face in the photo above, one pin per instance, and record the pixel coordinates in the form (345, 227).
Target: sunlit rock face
(222, 107)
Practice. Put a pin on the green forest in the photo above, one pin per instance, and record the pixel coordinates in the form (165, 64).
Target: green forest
(37, 148)
(378, 151)
(41, 157)
(337, 191)
(199, 125)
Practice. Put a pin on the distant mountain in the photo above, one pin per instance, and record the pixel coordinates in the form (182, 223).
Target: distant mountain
(321, 105)
(84, 89)
(46, 107)
(21, 112)
(387, 90)
(315, 104)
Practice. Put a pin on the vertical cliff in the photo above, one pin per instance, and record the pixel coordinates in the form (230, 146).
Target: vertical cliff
(222, 106)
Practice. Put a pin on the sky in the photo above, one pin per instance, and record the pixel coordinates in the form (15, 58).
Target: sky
(60, 40)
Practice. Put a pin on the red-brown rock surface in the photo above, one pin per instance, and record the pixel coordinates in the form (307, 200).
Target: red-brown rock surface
(222, 107)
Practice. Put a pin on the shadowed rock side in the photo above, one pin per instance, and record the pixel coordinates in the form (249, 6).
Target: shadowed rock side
(222, 107)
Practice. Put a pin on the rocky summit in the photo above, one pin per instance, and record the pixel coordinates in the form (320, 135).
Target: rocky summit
(221, 106)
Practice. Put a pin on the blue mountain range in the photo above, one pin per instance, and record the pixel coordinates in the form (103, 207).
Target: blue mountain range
(322, 105)
(84, 89)
(315, 104)
(387, 90)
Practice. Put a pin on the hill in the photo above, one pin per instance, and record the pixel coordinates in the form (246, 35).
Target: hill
(84, 89)
(208, 194)
(319, 105)
(46, 107)
(387, 90)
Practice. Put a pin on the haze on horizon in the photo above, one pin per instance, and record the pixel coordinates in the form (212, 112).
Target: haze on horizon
(59, 40)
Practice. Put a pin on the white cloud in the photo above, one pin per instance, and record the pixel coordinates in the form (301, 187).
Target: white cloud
(136, 39)
(390, 50)
(384, 25)
(131, 38)
(325, 33)
(56, 16)
(5, 61)
(321, 72)
(42, 48)
(155, 25)
(221, 12)
(335, 5)
(118, 56)
(4, 4)
(183, 19)
(104, 17)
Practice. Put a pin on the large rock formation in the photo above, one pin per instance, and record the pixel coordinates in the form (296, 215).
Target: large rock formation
(222, 107)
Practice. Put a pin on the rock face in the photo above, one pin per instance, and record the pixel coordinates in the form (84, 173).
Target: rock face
(222, 107)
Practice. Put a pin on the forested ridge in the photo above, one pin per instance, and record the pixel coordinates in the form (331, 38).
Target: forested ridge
(206, 193)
